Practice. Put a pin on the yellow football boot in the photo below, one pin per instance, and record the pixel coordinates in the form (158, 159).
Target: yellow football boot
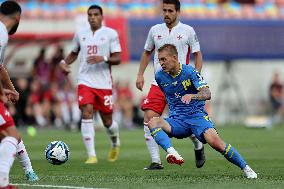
(92, 160)
(113, 154)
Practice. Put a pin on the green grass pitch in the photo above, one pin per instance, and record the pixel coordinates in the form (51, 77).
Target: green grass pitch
(263, 149)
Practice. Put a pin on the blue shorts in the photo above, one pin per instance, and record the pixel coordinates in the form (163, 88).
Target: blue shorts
(183, 127)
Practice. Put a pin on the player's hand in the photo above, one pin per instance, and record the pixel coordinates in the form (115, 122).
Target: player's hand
(186, 98)
(94, 59)
(12, 96)
(64, 67)
(3, 98)
(140, 82)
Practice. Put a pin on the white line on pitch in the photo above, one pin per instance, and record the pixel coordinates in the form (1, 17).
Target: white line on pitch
(55, 186)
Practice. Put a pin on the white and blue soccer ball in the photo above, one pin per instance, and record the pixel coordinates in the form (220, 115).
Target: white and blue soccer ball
(57, 152)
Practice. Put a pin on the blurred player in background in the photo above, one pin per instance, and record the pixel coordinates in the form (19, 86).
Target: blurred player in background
(100, 49)
(11, 142)
(184, 38)
(186, 93)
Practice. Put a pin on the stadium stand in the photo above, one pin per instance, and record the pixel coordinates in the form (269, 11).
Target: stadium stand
(209, 9)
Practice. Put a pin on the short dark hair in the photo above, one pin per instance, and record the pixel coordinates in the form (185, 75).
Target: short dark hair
(170, 48)
(10, 7)
(96, 7)
(174, 2)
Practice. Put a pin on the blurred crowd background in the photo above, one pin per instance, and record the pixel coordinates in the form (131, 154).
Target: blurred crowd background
(48, 97)
(210, 9)
(242, 42)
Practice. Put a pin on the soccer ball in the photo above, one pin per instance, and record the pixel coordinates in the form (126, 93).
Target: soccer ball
(57, 152)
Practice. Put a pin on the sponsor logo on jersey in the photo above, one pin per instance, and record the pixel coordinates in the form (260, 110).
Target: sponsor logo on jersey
(175, 83)
(186, 84)
(177, 95)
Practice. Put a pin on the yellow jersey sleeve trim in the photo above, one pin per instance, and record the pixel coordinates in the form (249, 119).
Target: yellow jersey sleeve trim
(202, 86)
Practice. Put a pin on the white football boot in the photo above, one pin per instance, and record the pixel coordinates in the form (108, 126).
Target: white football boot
(249, 173)
(174, 158)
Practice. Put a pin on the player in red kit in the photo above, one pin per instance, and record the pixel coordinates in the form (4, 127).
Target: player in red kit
(11, 143)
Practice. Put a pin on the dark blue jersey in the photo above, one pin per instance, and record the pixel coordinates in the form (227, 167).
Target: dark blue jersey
(188, 81)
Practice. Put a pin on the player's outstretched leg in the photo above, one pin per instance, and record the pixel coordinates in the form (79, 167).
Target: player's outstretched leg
(198, 151)
(25, 161)
(229, 152)
(233, 156)
(164, 141)
(153, 149)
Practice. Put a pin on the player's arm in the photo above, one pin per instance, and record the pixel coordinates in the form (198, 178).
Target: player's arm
(1, 88)
(7, 84)
(204, 93)
(5, 78)
(65, 63)
(145, 59)
(195, 50)
(114, 59)
(198, 60)
(72, 56)
(2, 96)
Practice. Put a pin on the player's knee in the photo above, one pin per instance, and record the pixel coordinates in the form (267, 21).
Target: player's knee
(107, 123)
(154, 122)
(147, 118)
(149, 114)
(87, 114)
(217, 145)
(214, 145)
(12, 132)
(87, 111)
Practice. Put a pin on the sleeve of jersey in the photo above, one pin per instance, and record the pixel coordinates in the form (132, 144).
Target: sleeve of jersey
(114, 43)
(149, 45)
(1, 54)
(76, 43)
(194, 42)
(2, 49)
(197, 79)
